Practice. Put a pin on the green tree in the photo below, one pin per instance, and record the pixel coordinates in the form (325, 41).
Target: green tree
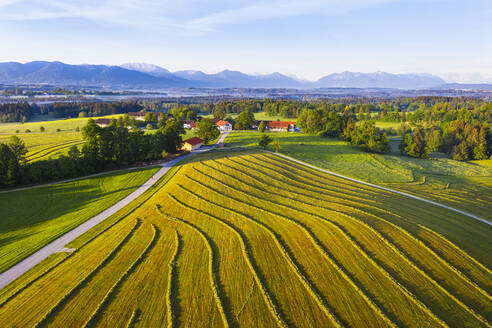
(73, 153)
(9, 166)
(480, 152)
(41, 128)
(219, 114)
(207, 130)
(461, 152)
(264, 140)
(245, 120)
(414, 145)
(18, 148)
(261, 127)
(433, 139)
(276, 145)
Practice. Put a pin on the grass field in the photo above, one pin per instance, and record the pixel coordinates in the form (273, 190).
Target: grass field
(244, 238)
(34, 217)
(459, 184)
(42, 146)
(50, 126)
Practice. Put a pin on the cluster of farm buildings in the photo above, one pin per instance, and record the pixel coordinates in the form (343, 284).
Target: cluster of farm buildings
(274, 126)
(223, 126)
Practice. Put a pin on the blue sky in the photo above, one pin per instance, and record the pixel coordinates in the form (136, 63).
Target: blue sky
(306, 38)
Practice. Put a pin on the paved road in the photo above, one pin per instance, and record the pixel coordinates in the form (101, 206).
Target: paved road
(59, 244)
(388, 189)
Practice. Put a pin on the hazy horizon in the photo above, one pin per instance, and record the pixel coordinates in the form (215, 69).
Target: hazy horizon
(447, 38)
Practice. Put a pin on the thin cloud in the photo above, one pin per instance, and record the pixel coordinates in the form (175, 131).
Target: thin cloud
(188, 16)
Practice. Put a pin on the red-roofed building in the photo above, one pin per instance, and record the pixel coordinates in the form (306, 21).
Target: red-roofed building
(189, 124)
(103, 122)
(224, 125)
(140, 116)
(192, 144)
(281, 126)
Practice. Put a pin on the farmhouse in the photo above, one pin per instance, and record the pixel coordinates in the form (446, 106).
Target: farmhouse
(140, 116)
(103, 122)
(192, 144)
(224, 125)
(189, 124)
(280, 126)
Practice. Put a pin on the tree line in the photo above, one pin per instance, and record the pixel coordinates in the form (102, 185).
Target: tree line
(15, 112)
(106, 148)
(327, 123)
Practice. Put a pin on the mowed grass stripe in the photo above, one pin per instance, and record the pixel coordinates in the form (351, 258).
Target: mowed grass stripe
(395, 282)
(110, 294)
(321, 178)
(473, 268)
(45, 154)
(420, 270)
(73, 291)
(145, 288)
(459, 286)
(47, 149)
(302, 276)
(246, 252)
(291, 188)
(171, 284)
(44, 273)
(79, 309)
(312, 290)
(439, 271)
(302, 181)
(212, 266)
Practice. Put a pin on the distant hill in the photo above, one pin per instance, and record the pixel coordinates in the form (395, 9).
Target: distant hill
(231, 79)
(63, 74)
(152, 76)
(467, 86)
(379, 80)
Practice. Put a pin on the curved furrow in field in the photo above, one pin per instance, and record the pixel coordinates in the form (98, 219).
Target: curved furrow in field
(278, 178)
(44, 273)
(51, 150)
(51, 312)
(320, 177)
(351, 194)
(212, 265)
(402, 255)
(469, 280)
(113, 290)
(409, 260)
(330, 179)
(311, 287)
(171, 316)
(246, 252)
(133, 319)
(48, 147)
(348, 238)
(421, 243)
(456, 254)
(291, 188)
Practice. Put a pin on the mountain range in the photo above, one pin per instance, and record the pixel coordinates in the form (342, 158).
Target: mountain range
(139, 75)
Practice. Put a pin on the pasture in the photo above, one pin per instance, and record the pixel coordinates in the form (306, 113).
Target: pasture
(32, 218)
(459, 184)
(68, 124)
(249, 239)
(42, 146)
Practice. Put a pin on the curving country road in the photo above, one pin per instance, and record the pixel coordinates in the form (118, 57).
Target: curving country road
(59, 244)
